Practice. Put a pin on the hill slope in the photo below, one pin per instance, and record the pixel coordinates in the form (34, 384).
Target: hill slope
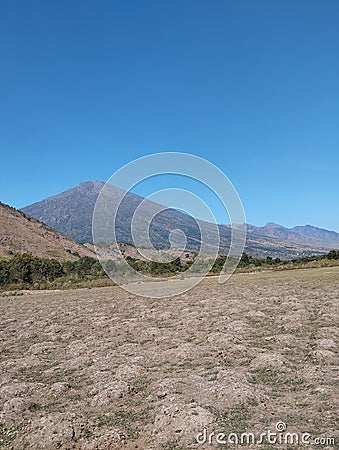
(20, 233)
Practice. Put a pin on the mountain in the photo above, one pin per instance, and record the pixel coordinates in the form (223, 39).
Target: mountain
(20, 233)
(303, 235)
(71, 213)
(320, 235)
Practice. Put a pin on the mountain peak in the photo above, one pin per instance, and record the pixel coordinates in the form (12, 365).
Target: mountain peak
(307, 227)
(273, 225)
(71, 211)
(92, 183)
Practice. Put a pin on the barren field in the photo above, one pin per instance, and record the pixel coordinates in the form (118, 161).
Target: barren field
(102, 369)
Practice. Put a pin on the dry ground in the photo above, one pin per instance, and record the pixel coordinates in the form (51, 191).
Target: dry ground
(102, 369)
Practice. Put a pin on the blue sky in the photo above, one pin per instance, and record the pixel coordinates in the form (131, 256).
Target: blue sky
(253, 86)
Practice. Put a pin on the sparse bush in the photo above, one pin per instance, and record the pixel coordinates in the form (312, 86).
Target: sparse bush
(333, 254)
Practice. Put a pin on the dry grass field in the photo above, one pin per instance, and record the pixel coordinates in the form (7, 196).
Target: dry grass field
(102, 369)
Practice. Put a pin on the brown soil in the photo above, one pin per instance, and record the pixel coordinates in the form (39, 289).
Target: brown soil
(20, 233)
(103, 369)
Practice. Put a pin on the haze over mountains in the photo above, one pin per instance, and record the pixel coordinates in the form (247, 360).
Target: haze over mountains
(71, 212)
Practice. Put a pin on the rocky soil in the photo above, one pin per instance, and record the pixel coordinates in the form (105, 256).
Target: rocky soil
(103, 369)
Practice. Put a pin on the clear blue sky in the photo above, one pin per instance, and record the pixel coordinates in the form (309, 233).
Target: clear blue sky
(253, 86)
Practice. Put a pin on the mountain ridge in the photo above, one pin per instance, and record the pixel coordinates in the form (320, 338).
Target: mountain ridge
(71, 211)
(303, 234)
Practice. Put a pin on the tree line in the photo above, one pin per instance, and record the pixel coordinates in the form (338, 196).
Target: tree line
(26, 270)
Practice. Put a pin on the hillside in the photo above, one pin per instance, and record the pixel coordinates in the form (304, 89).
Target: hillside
(20, 233)
(71, 212)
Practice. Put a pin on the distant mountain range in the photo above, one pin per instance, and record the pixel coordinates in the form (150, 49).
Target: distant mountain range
(71, 212)
(20, 233)
(305, 235)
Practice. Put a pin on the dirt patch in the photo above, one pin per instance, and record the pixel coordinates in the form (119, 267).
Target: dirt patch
(102, 369)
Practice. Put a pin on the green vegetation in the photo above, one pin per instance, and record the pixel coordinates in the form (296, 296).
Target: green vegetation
(7, 435)
(26, 271)
(234, 420)
(333, 254)
(248, 262)
(157, 268)
(172, 445)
